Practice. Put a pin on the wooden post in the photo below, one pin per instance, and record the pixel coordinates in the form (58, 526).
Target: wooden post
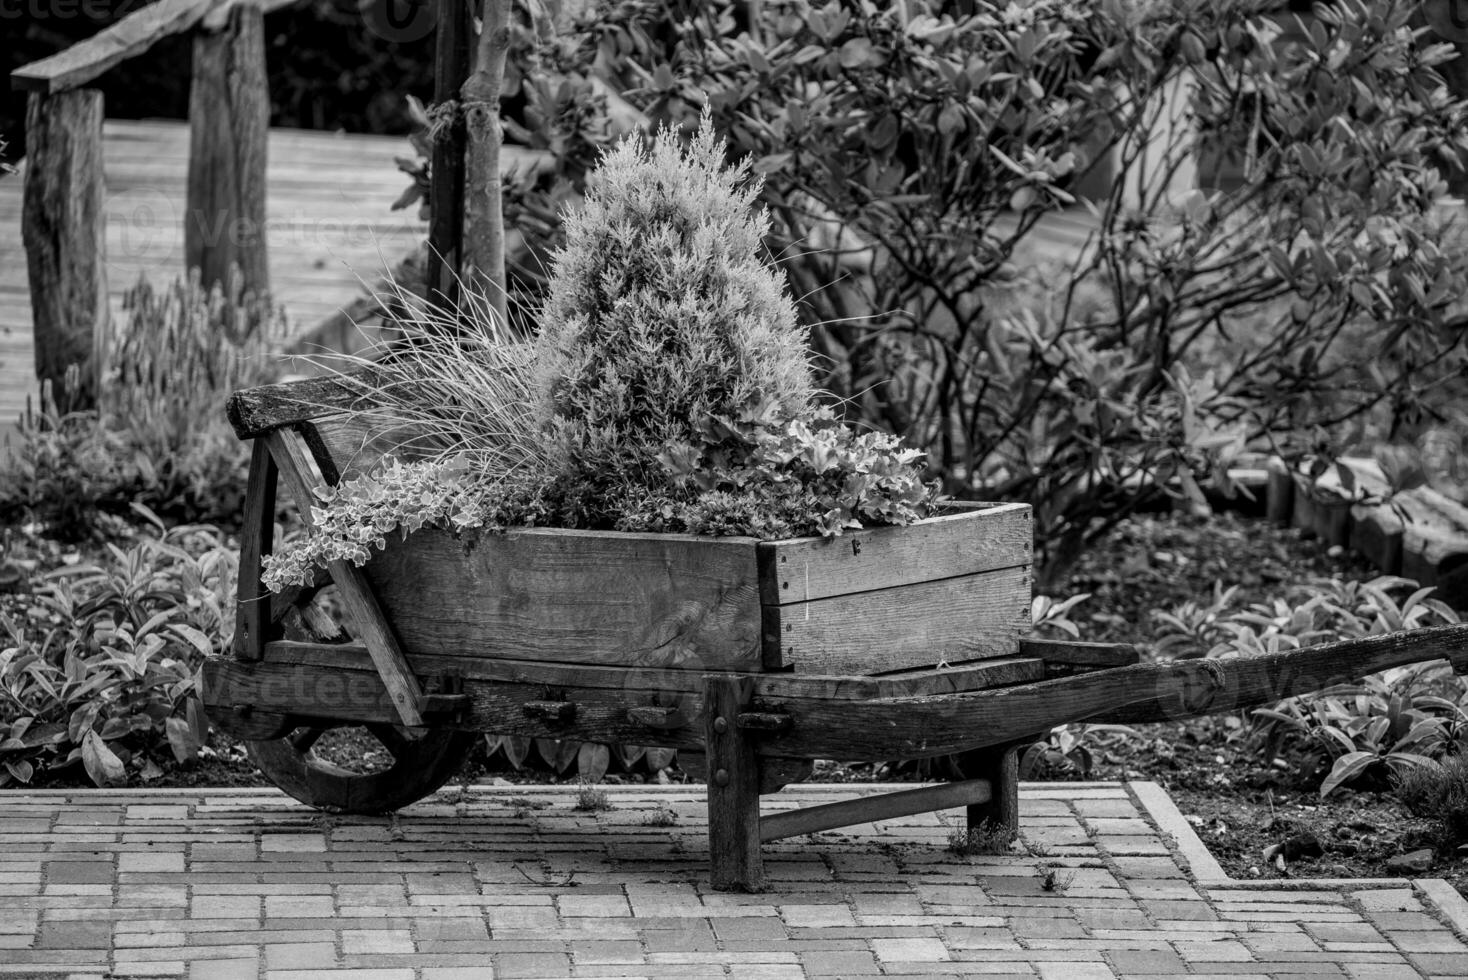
(999, 764)
(229, 119)
(252, 618)
(733, 786)
(484, 223)
(446, 195)
(64, 228)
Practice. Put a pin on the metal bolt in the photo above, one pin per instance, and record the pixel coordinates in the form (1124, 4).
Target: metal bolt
(721, 777)
(720, 725)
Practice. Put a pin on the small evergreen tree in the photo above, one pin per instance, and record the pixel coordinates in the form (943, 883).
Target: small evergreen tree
(662, 314)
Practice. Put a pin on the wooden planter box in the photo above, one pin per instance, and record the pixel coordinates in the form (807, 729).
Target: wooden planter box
(952, 588)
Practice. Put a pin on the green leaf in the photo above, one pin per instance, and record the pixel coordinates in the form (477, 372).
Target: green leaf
(1347, 768)
(181, 740)
(659, 758)
(859, 53)
(592, 761)
(102, 764)
(194, 637)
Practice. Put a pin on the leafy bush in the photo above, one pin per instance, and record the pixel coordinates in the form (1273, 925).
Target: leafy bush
(1387, 723)
(173, 363)
(911, 154)
(102, 667)
(159, 436)
(66, 470)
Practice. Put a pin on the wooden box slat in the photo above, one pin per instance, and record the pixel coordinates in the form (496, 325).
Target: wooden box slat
(631, 600)
(952, 619)
(997, 672)
(978, 540)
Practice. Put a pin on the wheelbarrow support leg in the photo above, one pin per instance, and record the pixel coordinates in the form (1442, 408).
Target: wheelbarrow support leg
(733, 787)
(999, 764)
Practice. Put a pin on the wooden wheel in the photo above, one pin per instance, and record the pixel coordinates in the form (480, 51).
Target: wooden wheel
(422, 761)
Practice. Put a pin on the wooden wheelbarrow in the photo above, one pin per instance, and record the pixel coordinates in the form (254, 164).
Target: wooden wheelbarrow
(890, 643)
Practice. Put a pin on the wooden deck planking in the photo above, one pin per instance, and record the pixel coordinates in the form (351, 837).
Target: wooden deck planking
(330, 227)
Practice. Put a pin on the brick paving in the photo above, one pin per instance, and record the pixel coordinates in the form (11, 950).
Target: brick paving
(509, 882)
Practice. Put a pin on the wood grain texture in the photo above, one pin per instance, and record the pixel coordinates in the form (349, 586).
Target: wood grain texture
(1078, 653)
(869, 809)
(357, 695)
(1253, 681)
(945, 724)
(860, 730)
(1302, 511)
(637, 600)
(962, 543)
(1376, 535)
(999, 766)
(253, 616)
(733, 787)
(255, 411)
(1434, 541)
(453, 57)
(367, 622)
(65, 238)
(131, 36)
(229, 120)
(644, 683)
(950, 619)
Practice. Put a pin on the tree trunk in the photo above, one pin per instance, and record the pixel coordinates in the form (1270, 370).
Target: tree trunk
(229, 119)
(452, 59)
(64, 230)
(484, 226)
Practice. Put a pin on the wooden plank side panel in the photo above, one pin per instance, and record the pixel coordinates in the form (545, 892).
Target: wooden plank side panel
(359, 696)
(951, 619)
(639, 684)
(977, 540)
(634, 600)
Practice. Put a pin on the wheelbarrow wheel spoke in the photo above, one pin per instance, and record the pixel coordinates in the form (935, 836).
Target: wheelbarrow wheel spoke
(419, 766)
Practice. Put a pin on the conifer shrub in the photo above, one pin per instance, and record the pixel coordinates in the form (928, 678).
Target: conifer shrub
(661, 316)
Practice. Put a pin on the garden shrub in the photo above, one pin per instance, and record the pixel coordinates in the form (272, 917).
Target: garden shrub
(159, 435)
(1386, 725)
(101, 667)
(668, 390)
(910, 153)
(1440, 793)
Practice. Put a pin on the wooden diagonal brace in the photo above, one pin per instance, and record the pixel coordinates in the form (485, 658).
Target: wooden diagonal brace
(253, 616)
(299, 471)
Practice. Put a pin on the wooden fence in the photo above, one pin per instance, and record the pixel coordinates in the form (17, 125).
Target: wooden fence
(224, 215)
